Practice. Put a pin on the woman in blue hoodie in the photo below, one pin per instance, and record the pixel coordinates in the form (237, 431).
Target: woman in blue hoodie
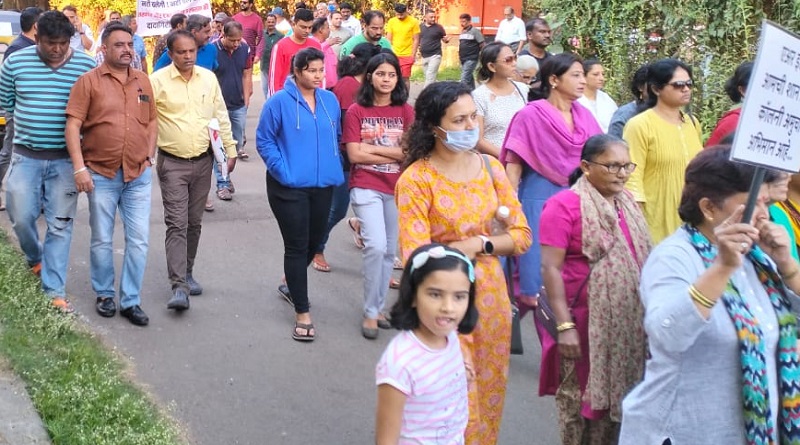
(298, 138)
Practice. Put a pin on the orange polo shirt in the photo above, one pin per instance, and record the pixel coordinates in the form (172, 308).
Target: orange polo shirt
(116, 115)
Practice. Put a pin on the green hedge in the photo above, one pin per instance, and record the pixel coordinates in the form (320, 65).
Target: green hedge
(76, 384)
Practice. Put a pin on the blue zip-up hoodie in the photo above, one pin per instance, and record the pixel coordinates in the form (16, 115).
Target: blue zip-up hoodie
(301, 148)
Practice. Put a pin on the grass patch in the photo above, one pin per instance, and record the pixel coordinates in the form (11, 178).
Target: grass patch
(448, 73)
(76, 384)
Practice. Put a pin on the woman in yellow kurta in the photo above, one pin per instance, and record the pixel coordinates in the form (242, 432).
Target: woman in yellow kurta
(662, 140)
(447, 194)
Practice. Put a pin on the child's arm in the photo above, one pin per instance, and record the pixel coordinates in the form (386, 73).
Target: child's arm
(390, 415)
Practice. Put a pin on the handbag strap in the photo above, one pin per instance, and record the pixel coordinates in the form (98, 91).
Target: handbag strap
(508, 270)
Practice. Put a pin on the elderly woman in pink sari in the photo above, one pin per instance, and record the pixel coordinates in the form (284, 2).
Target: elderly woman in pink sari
(542, 148)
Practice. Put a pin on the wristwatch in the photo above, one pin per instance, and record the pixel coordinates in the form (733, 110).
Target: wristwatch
(488, 246)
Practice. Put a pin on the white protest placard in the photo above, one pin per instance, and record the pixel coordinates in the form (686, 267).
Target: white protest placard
(152, 16)
(768, 134)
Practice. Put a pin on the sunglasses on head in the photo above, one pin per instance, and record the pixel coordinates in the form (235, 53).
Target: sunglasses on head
(681, 84)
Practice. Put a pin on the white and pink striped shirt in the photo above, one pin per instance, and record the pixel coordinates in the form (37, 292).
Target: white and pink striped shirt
(435, 385)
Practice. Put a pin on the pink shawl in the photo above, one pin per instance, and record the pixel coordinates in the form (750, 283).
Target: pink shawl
(539, 135)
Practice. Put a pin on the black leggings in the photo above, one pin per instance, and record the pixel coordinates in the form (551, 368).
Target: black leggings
(302, 215)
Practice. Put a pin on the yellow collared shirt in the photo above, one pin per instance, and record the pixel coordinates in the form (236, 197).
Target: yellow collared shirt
(185, 108)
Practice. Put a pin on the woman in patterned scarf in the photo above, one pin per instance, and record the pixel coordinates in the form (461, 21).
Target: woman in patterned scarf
(717, 295)
(594, 242)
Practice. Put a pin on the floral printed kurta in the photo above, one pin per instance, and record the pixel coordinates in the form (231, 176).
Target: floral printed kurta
(433, 208)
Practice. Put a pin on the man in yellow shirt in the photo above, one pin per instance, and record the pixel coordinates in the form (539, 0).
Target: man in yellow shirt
(187, 97)
(403, 32)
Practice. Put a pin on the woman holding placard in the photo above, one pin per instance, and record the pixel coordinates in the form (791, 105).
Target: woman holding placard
(717, 296)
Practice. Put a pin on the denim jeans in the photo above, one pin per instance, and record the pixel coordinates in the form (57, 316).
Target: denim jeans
(237, 118)
(430, 66)
(33, 185)
(468, 72)
(133, 201)
(339, 205)
(265, 85)
(7, 149)
(377, 214)
(302, 217)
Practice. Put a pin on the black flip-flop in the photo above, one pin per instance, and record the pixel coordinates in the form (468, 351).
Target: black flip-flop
(284, 291)
(308, 335)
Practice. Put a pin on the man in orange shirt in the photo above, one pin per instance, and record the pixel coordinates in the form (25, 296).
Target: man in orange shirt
(112, 107)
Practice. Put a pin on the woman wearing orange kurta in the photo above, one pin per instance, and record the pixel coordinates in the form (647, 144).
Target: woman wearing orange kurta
(447, 194)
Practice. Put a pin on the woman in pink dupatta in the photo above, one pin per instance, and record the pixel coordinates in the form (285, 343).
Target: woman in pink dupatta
(541, 149)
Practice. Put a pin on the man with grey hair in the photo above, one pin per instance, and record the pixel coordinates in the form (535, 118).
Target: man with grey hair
(200, 28)
(527, 69)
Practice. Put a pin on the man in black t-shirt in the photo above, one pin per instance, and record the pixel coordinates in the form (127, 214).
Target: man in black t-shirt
(431, 36)
(540, 36)
(470, 43)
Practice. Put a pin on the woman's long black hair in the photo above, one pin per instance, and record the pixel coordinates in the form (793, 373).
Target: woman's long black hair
(366, 94)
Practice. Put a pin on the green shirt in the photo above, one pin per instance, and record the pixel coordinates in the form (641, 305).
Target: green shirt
(269, 41)
(351, 43)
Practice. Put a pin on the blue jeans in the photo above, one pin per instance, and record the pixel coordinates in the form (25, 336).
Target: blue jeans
(33, 185)
(133, 201)
(265, 85)
(468, 72)
(339, 205)
(5, 152)
(237, 118)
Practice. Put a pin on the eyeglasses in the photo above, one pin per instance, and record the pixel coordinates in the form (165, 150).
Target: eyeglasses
(681, 84)
(616, 168)
(509, 59)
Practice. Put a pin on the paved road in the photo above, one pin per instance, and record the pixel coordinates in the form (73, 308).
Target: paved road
(228, 370)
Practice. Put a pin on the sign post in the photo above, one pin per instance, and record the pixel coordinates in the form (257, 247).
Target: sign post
(768, 134)
(153, 16)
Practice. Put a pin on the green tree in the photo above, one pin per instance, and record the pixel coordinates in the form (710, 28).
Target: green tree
(712, 36)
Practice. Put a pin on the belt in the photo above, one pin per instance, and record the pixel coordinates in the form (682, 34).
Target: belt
(196, 158)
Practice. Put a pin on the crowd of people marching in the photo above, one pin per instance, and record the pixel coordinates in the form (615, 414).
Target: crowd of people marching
(671, 319)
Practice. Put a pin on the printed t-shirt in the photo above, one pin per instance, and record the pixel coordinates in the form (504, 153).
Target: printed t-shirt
(382, 126)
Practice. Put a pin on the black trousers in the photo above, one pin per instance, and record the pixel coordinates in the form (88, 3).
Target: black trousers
(302, 215)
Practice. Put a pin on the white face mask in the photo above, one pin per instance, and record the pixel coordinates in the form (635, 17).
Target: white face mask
(461, 140)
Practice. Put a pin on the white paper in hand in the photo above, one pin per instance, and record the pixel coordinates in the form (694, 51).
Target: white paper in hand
(217, 148)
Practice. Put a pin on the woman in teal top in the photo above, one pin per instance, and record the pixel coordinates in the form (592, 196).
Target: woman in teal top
(779, 192)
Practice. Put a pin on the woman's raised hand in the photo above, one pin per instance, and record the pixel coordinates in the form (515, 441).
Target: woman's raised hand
(734, 239)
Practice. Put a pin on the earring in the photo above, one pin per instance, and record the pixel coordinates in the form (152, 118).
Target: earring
(554, 86)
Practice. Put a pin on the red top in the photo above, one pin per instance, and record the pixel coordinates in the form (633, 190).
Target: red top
(383, 126)
(726, 125)
(280, 64)
(345, 90)
(252, 33)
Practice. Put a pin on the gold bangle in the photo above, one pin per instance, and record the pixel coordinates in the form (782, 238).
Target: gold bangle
(566, 326)
(791, 275)
(701, 299)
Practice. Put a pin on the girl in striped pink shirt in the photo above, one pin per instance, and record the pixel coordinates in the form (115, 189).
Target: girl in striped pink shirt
(422, 376)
